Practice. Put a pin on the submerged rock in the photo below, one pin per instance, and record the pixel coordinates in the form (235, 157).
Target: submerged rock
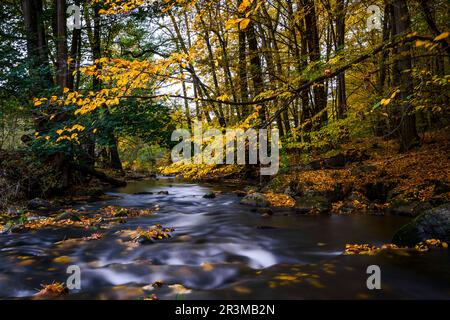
(164, 192)
(240, 193)
(210, 195)
(68, 215)
(255, 199)
(18, 228)
(144, 240)
(432, 224)
(262, 227)
(265, 211)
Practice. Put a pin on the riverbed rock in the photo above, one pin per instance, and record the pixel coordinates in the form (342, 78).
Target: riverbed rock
(95, 192)
(240, 193)
(255, 199)
(265, 212)
(312, 202)
(68, 215)
(5, 229)
(18, 228)
(290, 191)
(264, 227)
(163, 193)
(144, 240)
(432, 224)
(354, 203)
(409, 209)
(39, 204)
(210, 195)
(143, 193)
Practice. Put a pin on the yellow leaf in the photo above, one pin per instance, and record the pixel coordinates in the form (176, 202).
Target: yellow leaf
(420, 43)
(62, 259)
(231, 23)
(442, 36)
(286, 278)
(244, 5)
(244, 24)
(207, 266)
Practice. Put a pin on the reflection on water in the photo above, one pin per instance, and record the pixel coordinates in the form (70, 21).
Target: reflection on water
(220, 249)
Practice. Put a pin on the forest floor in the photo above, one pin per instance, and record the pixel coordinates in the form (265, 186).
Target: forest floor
(371, 176)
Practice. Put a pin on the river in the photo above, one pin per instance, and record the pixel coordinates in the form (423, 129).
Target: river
(220, 250)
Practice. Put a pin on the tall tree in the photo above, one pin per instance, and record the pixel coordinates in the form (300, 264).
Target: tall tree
(406, 119)
(340, 44)
(62, 70)
(37, 47)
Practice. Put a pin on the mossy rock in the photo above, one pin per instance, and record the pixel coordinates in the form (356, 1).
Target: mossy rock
(310, 204)
(255, 199)
(68, 216)
(432, 224)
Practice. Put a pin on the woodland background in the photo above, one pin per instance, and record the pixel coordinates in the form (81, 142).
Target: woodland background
(102, 101)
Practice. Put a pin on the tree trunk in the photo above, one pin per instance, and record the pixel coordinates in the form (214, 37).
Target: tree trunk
(242, 66)
(340, 42)
(74, 52)
(37, 48)
(312, 38)
(402, 77)
(61, 45)
(255, 67)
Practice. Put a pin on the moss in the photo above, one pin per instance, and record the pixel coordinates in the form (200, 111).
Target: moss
(407, 235)
(432, 224)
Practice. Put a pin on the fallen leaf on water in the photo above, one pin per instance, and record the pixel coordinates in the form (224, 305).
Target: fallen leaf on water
(25, 263)
(55, 289)
(179, 289)
(286, 278)
(243, 290)
(62, 259)
(207, 266)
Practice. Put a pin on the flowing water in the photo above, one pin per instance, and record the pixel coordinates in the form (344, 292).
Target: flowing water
(220, 250)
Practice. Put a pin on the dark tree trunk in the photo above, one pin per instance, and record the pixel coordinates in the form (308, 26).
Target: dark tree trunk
(74, 57)
(427, 13)
(402, 78)
(312, 38)
(387, 28)
(340, 42)
(255, 67)
(116, 164)
(242, 63)
(61, 45)
(37, 48)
